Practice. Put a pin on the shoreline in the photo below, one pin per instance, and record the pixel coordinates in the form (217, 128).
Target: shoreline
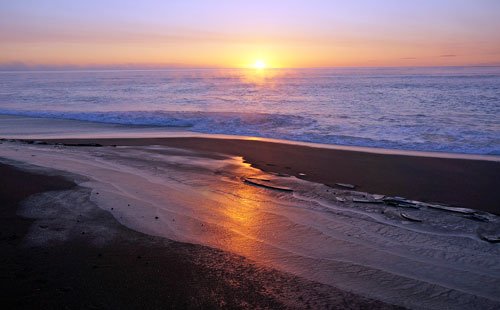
(458, 182)
(72, 129)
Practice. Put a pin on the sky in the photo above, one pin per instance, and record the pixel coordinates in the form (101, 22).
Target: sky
(224, 33)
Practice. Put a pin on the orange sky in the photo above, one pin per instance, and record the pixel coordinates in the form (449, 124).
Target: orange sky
(235, 34)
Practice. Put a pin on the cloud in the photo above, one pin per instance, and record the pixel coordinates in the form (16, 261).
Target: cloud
(447, 55)
(408, 58)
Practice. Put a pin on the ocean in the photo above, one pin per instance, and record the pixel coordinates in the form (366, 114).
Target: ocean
(451, 109)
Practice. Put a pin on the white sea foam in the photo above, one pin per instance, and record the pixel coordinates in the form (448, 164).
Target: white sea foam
(365, 248)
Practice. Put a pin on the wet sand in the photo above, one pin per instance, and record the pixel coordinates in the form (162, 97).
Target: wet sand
(190, 189)
(129, 270)
(460, 182)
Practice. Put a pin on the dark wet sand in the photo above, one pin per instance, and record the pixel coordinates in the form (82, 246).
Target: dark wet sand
(466, 183)
(134, 271)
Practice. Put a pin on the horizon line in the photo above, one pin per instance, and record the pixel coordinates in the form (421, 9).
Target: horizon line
(49, 68)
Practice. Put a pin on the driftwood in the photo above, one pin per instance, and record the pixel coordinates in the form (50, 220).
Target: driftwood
(258, 179)
(360, 200)
(346, 185)
(476, 217)
(264, 185)
(490, 237)
(409, 218)
(450, 209)
(401, 202)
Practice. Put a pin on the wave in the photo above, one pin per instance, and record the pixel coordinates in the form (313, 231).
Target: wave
(267, 125)
(200, 121)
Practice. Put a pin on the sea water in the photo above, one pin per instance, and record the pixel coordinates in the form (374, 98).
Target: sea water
(452, 109)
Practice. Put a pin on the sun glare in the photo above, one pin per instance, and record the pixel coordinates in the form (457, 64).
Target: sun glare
(259, 64)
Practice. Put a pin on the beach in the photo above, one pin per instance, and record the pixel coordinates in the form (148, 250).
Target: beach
(250, 155)
(246, 223)
(132, 270)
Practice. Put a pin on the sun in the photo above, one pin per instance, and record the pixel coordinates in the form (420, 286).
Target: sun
(259, 64)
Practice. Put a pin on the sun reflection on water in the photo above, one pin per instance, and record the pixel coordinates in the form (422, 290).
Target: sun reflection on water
(260, 76)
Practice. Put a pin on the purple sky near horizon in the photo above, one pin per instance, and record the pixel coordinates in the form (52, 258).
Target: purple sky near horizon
(236, 33)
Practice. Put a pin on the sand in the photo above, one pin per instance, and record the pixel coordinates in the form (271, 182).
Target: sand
(461, 182)
(130, 270)
(359, 245)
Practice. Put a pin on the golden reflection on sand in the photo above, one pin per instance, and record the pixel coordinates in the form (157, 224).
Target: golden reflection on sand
(243, 209)
(245, 217)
